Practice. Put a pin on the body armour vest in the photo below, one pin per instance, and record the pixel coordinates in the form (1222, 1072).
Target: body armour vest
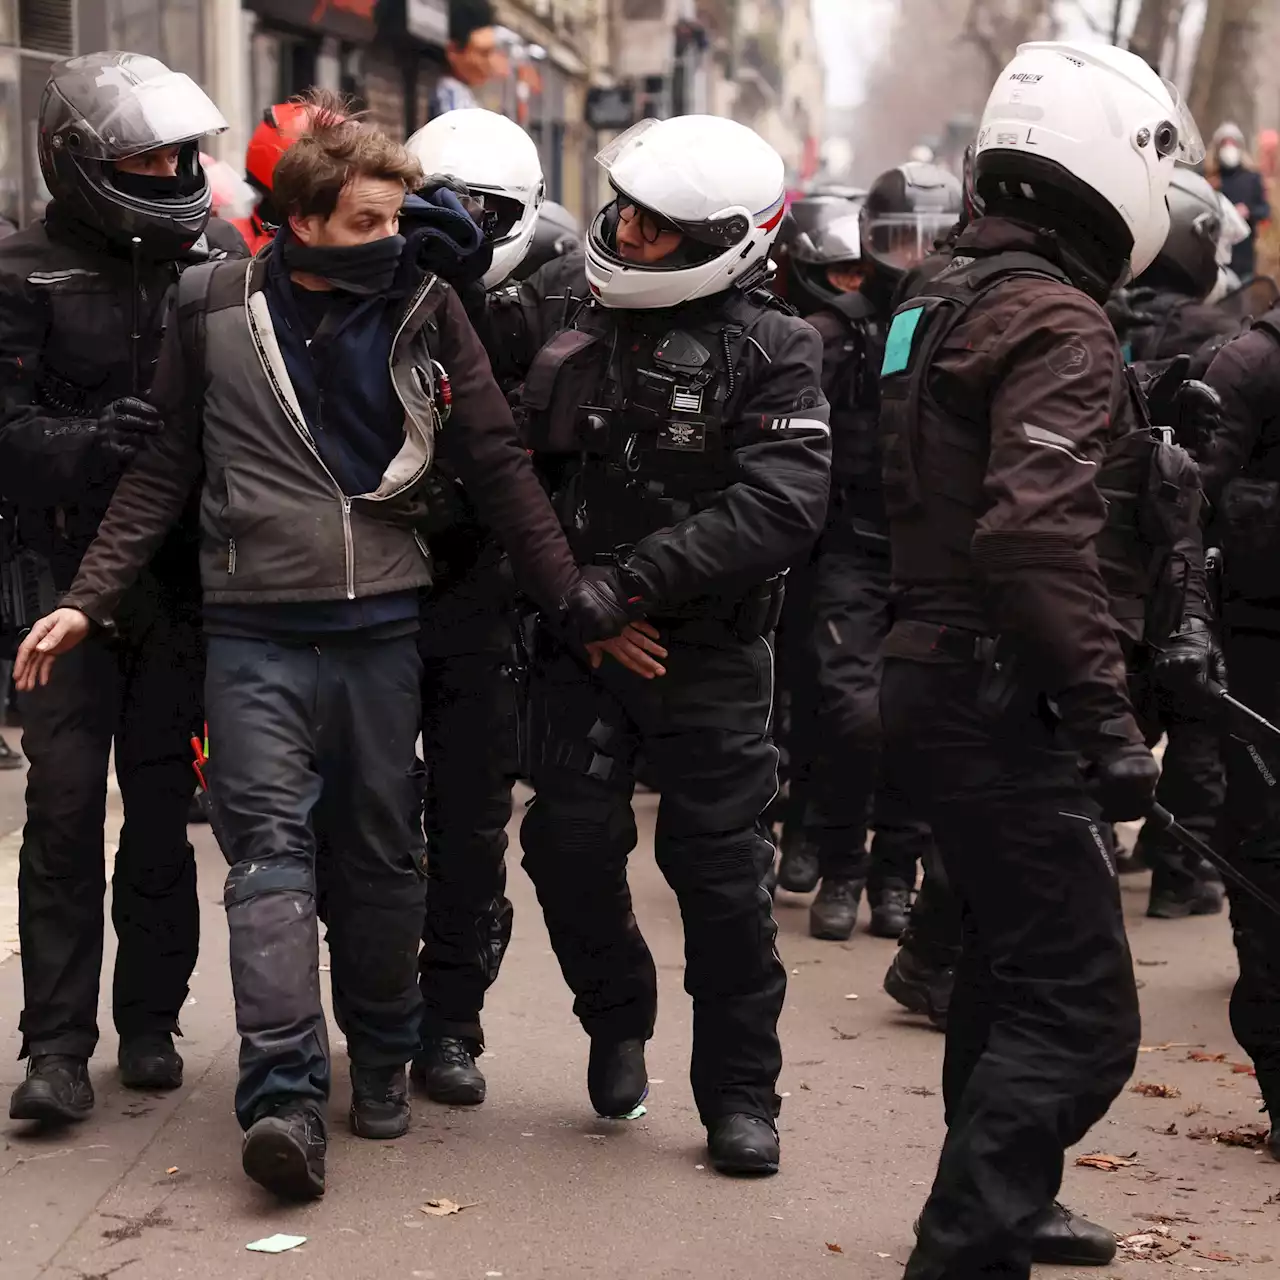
(854, 394)
(935, 465)
(627, 413)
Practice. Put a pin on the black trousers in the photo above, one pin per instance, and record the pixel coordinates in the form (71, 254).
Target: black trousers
(1192, 784)
(470, 741)
(850, 784)
(1251, 839)
(1043, 1028)
(142, 690)
(704, 730)
(312, 753)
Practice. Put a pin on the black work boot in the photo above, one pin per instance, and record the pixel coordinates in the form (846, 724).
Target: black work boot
(445, 1070)
(379, 1102)
(284, 1152)
(743, 1145)
(149, 1061)
(1064, 1239)
(798, 870)
(57, 1090)
(617, 1080)
(890, 908)
(1176, 898)
(835, 910)
(919, 986)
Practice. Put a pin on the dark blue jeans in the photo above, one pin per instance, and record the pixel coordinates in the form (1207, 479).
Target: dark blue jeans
(313, 754)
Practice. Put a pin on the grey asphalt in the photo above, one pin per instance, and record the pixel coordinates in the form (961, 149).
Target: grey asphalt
(151, 1186)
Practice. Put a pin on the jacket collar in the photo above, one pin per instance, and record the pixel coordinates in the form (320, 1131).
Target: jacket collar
(997, 234)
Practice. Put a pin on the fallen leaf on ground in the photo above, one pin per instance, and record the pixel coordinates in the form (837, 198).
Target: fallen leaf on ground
(1249, 1135)
(1194, 1109)
(920, 1091)
(1151, 964)
(883, 1255)
(1148, 1244)
(835, 1248)
(1215, 1257)
(1107, 1163)
(173, 1168)
(1206, 1057)
(1170, 1132)
(1150, 1089)
(443, 1208)
(1242, 1069)
(845, 1035)
(276, 1244)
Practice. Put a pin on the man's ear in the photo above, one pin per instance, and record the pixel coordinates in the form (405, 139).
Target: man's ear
(302, 228)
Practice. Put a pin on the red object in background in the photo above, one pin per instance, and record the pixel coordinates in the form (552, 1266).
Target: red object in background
(812, 159)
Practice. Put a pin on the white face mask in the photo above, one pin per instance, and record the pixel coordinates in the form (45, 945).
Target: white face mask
(1229, 155)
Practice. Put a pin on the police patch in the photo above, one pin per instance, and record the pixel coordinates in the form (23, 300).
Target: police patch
(686, 399)
(682, 437)
(1070, 360)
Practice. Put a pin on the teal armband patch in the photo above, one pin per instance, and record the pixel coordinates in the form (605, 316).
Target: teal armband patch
(897, 347)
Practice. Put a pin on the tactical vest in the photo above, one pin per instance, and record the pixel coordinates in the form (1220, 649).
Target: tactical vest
(936, 459)
(1248, 516)
(855, 413)
(631, 421)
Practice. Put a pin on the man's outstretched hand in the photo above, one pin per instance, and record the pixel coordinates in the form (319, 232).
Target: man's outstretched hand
(58, 632)
(638, 648)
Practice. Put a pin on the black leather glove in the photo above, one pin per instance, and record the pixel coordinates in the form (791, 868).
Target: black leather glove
(1124, 781)
(600, 604)
(125, 425)
(1191, 660)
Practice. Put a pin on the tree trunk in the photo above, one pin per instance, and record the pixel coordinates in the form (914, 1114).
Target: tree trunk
(1155, 23)
(1224, 84)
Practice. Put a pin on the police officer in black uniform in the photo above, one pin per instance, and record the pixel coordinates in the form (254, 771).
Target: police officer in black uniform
(1166, 314)
(684, 433)
(1003, 395)
(80, 313)
(849, 270)
(1241, 471)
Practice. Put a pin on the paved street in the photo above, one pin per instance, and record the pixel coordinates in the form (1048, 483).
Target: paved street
(150, 1188)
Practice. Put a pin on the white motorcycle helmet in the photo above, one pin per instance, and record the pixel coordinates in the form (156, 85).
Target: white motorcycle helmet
(716, 182)
(500, 166)
(1091, 130)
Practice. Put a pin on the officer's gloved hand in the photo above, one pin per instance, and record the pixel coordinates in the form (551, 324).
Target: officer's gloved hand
(1192, 660)
(600, 604)
(1124, 781)
(125, 425)
(1197, 415)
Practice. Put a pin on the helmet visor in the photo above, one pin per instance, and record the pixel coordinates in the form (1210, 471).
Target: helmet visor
(838, 241)
(1184, 143)
(903, 239)
(610, 154)
(127, 118)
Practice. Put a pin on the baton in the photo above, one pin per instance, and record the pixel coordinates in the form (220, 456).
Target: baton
(1166, 822)
(1244, 717)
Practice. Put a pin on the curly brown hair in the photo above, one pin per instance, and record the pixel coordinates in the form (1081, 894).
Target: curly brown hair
(339, 146)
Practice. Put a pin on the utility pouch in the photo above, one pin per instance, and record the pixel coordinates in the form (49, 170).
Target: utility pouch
(757, 613)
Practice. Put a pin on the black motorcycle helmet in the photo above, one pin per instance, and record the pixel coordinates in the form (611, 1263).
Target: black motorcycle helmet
(824, 234)
(1188, 261)
(907, 211)
(105, 107)
(819, 231)
(557, 233)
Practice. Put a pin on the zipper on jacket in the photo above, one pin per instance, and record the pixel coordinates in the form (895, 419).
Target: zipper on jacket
(350, 547)
(231, 555)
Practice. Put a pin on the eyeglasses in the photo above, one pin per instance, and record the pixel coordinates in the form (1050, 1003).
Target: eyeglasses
(485, 219)
(650, 224)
